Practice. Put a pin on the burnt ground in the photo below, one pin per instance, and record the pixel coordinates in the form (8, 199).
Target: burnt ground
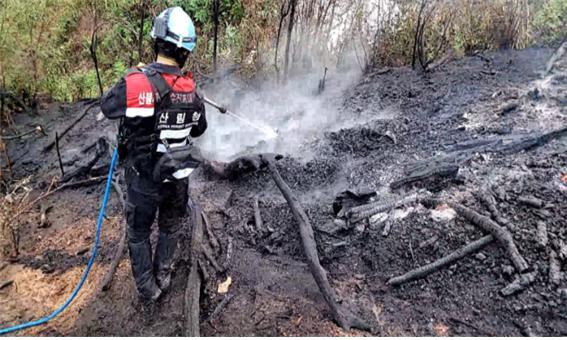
(272, 291)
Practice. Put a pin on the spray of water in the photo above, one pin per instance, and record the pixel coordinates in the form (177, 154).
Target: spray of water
(266, 130)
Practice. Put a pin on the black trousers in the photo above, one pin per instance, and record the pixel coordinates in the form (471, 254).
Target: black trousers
(147, 198)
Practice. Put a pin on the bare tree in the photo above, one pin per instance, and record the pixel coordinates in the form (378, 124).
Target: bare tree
(284, 11)
(419, 27)
(93, 46)
(293, 5)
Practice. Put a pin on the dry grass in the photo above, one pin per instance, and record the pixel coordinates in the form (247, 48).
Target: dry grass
(12, 205)
(35, 294)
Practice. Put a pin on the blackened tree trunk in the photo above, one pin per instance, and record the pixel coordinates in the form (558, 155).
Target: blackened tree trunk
(293, 5)
(284, 11)
(418, 28)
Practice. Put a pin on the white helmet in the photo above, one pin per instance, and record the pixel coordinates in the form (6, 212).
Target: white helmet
(175, 26)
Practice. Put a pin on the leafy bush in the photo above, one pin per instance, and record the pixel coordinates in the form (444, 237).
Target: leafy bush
(550, 22)
(44, 44)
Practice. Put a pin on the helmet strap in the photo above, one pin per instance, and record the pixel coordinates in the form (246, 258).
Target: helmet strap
(162, 59)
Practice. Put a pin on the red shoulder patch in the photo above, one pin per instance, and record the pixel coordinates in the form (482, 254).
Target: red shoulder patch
(139, 96)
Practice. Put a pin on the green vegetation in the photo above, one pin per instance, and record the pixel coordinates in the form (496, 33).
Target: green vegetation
(44, 44)
(550, 21)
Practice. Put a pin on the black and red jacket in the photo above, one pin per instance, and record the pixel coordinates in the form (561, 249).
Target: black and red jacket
(150, 124)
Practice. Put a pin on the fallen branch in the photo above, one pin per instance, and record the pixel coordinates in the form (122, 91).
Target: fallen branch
(193, 288)
(81, 183)
(501, 234)
(488, 200)
(220, 306)
(359, 213)
(342, 316)
(443, 262)
(442, 61)
(521, 283)
(59, 155)
(439, 171)
(447, 165)
(38, 129)
(70, 126)
(212, 238)
(210, 257)
(530, 141)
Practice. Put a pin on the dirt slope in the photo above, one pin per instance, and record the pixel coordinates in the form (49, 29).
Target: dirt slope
(412, 118)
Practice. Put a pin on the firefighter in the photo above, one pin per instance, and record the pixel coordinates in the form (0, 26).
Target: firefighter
(160, 112)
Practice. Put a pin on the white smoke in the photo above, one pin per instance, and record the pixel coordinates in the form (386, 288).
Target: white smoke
(294, 110)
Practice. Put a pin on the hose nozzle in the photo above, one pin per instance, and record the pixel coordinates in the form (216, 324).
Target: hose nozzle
(217, 106)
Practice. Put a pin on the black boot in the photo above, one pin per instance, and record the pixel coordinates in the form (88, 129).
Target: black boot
(141, 260)
(163, 260)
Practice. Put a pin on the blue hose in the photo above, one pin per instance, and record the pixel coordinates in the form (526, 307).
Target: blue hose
(89, 265)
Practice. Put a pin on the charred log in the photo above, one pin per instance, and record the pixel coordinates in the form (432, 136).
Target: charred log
(83, 170)
(501, 234)
(443, 262)
(359, 213)
(434, 171)
(447, 165)
(342, 316)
